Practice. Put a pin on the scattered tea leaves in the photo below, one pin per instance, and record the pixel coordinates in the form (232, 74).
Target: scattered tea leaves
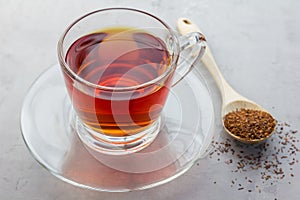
(274, 160)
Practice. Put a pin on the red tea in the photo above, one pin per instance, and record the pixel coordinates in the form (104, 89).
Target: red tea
(119, 58)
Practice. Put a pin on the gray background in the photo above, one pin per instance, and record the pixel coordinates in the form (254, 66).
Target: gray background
(256, 44)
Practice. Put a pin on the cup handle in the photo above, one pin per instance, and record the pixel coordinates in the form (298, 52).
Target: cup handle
(192, 48)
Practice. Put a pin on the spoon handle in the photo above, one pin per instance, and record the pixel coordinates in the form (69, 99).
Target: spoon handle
(228, 94)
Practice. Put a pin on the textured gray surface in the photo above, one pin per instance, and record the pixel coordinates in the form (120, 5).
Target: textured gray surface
(256, 43)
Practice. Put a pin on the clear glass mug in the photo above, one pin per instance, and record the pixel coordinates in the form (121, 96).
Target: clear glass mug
(118, 65)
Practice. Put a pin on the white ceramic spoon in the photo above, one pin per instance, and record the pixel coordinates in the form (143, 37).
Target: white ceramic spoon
(231, 100)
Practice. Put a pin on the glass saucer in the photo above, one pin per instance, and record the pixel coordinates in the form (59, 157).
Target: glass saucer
(47, 124)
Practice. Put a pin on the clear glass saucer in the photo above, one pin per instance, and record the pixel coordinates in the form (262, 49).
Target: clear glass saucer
(47, 124)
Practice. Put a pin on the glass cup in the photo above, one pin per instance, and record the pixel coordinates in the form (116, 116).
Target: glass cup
(118, 65)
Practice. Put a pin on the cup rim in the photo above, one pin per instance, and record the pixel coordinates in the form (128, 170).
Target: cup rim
(74, 76)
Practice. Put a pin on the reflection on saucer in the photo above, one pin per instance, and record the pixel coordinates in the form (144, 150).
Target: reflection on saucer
(88, 169)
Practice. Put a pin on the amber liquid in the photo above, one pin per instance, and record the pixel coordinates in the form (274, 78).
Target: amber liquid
(119, 58)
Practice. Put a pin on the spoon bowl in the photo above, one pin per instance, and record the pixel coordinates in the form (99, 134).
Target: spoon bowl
(242, 104)
(231, 100)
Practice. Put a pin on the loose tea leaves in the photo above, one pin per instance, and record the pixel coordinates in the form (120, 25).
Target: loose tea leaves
(259, 167)
(250, 124)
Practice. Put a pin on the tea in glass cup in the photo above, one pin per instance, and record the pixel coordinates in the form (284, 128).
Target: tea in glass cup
(118, 66)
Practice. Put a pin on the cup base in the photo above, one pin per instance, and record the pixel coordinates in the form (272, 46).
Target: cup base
(112, 145)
